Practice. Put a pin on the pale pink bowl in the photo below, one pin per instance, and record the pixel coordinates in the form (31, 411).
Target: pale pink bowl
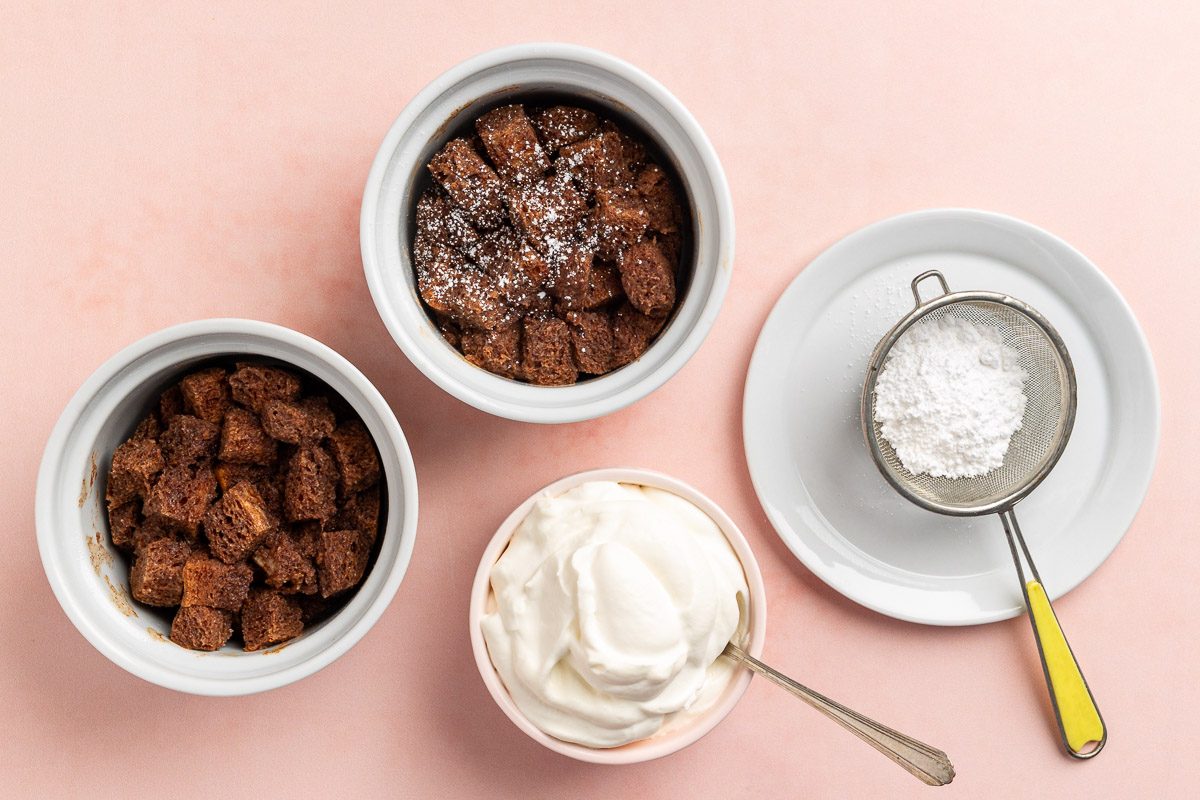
(662, 744)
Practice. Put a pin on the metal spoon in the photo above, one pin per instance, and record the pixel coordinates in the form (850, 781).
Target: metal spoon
(930, 765)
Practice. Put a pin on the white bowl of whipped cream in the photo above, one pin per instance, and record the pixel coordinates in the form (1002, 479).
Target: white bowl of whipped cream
(600, 610)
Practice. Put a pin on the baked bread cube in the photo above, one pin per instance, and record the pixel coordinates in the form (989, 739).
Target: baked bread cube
(150, 530)
(200, 628)
(594, 163)
(451, 286)
(497, 351)
(306, 421)
(633, 152)
(360, 512)
(148, 428)
(243, 440)
(268, 618)
(546, 357)
(136, 464)
(206, 394)
(210, 582)
(157, 575)
(123, 523)
(471, 184)
(663, 211)
(170, 404)
(620, 220)
(189, 440)
(237, 523)
(439, 221)
(648, 279)
(310, 489)
(563, 125)
(547, 214)
(181, 496)
(632, 332)
(572, 277)
(284, 564)
(354, 452)
(591, 340)
(512, 144)
(341, 560)
(252, 386)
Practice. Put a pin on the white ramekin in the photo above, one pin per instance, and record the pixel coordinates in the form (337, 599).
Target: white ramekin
(661, 744)
(426, 124)
(90, 578)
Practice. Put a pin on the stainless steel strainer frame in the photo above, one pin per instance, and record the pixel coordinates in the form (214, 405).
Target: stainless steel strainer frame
(1068, 688)
(879, 357)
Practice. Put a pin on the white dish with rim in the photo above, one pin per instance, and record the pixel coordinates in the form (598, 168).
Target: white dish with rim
(811, 467)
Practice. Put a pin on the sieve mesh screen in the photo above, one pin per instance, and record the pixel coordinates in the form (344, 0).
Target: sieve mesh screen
(1043, 425)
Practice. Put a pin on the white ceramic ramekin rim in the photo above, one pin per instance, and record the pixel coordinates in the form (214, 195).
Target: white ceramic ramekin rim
(73, 552)
(390, 276)
(659, 745)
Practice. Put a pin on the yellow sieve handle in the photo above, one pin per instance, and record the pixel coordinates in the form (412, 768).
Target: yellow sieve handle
(1079, 719)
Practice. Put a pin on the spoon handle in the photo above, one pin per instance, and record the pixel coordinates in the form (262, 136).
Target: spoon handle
(929, 764)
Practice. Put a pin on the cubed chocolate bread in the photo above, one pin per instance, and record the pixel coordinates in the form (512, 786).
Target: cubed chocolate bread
(593, 163)
(663, 211)
(148, 428)
(547, 213)
(648, 278)
(243, 440)
(562, 125)
(307, 536)
(136, 464)
(237, 523)
(151, 530)
(620, 220)
(449, 330)
(546, 357)
(633, 152)
(268, 618)
(189, 440)
(471, 184)
(354, 452)
(512, 144)
(210, 582)
(360, 512)
(180, 497)
(452, 287)
(200, 628)
(341, 560)
(206, 394)
(632, 332)
(591, 338)
(306, 421)
(123, 523)
(170, 404)
(252, 386)
(284, 564)
(310, 489)
(497, 351)
(571, 278)
(441, 222)
(157, 575)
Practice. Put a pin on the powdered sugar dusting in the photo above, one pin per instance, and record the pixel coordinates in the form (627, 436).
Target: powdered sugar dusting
(950, 397)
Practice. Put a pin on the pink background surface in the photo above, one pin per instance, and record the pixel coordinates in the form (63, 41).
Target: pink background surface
(210, 162)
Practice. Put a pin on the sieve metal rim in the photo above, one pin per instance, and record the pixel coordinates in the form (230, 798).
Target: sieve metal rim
(879, 356)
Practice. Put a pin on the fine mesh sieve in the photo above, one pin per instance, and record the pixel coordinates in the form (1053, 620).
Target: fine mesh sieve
(1045, 426)
(1034, 449)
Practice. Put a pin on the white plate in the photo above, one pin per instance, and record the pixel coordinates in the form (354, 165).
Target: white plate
(814, 474)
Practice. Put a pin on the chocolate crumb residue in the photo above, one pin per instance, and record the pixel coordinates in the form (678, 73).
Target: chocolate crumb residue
(546, 214)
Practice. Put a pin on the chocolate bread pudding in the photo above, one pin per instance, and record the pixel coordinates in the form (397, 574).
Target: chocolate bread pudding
(248, 503)
(548, 248)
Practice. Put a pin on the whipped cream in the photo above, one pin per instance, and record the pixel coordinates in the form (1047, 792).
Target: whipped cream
(611, 606)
